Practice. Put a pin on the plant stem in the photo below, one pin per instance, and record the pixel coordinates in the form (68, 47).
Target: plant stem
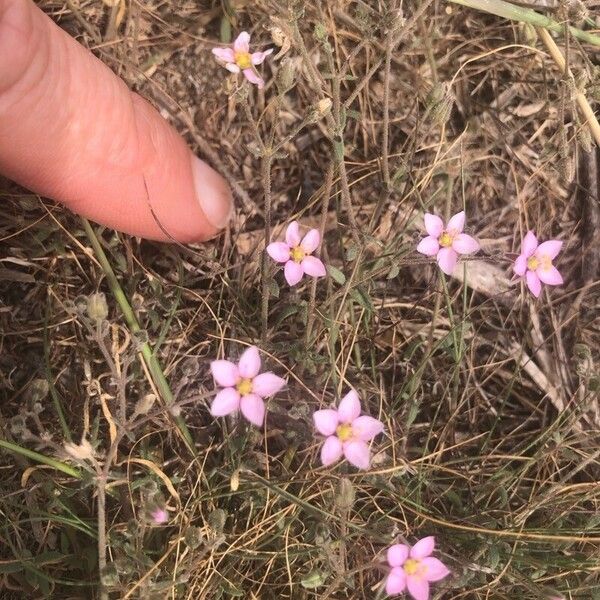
(266, 181)
(582, 101)
(41, 458)
(146, 350)
(506, 10)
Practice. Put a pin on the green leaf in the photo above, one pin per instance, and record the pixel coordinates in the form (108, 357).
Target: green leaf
(393, 272)
(314, 580)
(336, 274)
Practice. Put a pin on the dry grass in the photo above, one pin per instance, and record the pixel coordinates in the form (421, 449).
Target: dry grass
(489, 400)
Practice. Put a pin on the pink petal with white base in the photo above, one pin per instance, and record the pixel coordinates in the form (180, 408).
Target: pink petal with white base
(313, 266)
(349, 407)
(224, 54)
(249, 364)
(293, 272)
(457, 222)
(396, 582)
(529, 245)
(232, 67)
(242, 42)
(225, 372)
(533, 283)
(292, 234)
(331, 451)
(254, 78)
(267, 384)
(551, 248)
(428, 246)
(253, 408)
(279, 252)
(447, 258)
(397, 555)
(326, 421)
(259, 57)
(366, 428)
(465, 244)
(433, 225)
(423, 547)
(357, 453)
(550, 276)
(520, 266)
(225, 402)
(434, 569)
(418, 588)
(310, 242)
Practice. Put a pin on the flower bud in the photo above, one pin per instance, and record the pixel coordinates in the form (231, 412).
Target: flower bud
(97, 308)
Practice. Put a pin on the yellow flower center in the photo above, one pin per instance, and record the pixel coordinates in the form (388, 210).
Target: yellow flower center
(533, 263)
(244, 387)
(297, 254)
(243, 60)
(344, 432)
(446, 240)
(411, 566)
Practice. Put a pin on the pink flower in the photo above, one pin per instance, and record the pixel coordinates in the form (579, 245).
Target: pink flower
(413, 569)
(535, 263)
(239, 58)
(446, 243)
(159, 516)
(296, 254)
(243, 387)
(347, 432)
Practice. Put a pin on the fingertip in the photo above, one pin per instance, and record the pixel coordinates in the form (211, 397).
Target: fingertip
(212, 193)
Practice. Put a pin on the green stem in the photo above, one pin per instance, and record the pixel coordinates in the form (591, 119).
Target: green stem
(506, 10)
(41, 458)
(146, 350)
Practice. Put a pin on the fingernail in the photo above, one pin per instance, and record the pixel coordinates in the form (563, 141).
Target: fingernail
(212, 193)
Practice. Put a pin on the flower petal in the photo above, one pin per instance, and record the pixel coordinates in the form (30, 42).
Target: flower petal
(551, 248)
(397, 555)
(395, 582)
(457, 222)
(225, 372)
(293, 272)
(447, 258)
(418, 587)
(365, 428)
(232, 67)
(310, 242)
(292, 234)
(423, 547)
(533, 283)
(428, 246)
(433, 225)
(279, 251)
(267, 384)
(529, 244)
(259, 57)
(331, 451)
(434, 569)
(550, 276)
(224, 54)
(357, 453)
(249, 363)
(465, 244)
(254, 78)
(349, 407)
(326, 421)
(253, 408)
(242, 42)
(520, 265)
(313, 266)
(225, 402)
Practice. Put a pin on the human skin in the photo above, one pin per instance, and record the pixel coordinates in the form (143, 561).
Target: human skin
(71, 130)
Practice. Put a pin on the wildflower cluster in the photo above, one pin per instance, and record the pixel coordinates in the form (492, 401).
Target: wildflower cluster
(346, 431)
